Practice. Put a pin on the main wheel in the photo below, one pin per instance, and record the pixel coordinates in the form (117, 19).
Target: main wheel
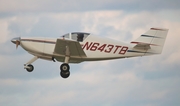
(30, 69)
(65, 74)
(64, 67)
(64, 70)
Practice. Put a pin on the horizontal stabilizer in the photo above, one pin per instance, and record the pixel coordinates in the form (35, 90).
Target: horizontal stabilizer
(140, 45)
(152, 41)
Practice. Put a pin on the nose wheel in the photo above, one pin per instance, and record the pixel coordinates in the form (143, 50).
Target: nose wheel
(64, 70)
(29, 67)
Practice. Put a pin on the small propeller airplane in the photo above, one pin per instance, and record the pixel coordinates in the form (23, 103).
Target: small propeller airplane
(77, 47)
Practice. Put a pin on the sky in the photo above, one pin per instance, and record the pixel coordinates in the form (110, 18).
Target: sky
(139, 81)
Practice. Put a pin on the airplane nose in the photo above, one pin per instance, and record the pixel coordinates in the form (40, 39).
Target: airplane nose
(14, 40)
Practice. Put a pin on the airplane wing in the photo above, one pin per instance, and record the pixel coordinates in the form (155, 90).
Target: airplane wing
(68, 47)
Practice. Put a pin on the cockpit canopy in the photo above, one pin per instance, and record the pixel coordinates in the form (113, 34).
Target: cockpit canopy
(77, 36)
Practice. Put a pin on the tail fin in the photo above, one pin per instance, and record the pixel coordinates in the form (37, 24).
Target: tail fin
(152, 41)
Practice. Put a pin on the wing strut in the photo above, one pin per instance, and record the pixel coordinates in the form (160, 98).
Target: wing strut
(32, 60)
(67, 55)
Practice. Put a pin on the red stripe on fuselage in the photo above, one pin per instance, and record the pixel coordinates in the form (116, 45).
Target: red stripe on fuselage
(40, 41)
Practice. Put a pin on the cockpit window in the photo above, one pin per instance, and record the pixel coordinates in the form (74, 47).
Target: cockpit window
(80, 37)
(77, 36)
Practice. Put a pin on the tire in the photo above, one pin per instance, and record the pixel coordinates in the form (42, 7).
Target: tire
(64, 67)
(65, 74)
(31, 68)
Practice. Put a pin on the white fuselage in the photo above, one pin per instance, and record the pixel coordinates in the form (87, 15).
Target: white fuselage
(95, 48)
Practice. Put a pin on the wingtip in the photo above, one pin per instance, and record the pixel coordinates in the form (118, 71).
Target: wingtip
(162, 29)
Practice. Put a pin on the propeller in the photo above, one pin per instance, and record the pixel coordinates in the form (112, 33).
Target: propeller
(16, 41)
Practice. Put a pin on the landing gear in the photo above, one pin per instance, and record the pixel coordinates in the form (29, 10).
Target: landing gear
(64, 67)
(64, 70)
(29, 68)
(65, 73)
(28, 65)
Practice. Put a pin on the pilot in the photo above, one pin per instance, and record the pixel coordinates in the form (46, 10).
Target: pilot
(80, 37)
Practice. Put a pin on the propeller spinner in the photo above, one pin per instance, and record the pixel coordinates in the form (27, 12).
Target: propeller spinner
(16, 41)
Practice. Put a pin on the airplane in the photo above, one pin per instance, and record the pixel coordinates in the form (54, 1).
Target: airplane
(77, 47)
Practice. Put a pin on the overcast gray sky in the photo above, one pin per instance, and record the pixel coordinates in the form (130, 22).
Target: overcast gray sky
(139, 81)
